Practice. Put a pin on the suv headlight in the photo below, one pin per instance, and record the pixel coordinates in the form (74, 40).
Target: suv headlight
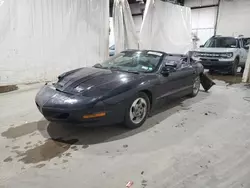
(196, 54)
(227, 55)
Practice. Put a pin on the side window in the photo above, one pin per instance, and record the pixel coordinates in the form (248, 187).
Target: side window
(246, 41)
(240, 43)
(177, 63)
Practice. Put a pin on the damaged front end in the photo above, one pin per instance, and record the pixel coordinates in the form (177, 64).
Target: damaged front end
(206, 82)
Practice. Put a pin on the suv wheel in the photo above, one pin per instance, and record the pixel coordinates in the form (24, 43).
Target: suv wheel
(242, 69)
(235, 67)
(211, 71)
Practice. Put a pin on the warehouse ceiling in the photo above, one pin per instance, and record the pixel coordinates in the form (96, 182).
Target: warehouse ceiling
(111, 2)
(137, 1)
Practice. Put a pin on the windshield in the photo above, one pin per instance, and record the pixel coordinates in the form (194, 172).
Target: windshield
(112, 47)
(134, 61)
(221, 42)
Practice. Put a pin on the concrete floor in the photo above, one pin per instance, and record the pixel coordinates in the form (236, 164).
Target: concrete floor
(193, 143)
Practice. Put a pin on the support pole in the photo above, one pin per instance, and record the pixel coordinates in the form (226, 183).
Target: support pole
(217, 18)
(246, 74)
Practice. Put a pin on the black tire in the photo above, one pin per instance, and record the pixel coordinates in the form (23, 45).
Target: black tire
(196, 87)
(242, 69)
(127, 120)
(211, 71)
(234, 67)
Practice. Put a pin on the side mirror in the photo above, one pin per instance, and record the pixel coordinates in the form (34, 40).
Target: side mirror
(201, 46)
(98, 65)
(246, 47)
(165, 71)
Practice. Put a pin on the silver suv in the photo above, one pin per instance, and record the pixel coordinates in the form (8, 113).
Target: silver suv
(223, 53)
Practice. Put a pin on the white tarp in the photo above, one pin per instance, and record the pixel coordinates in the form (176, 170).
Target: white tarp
(233, 18)
(40, 39)
(124, 28)
(111, 32)
(166, 27)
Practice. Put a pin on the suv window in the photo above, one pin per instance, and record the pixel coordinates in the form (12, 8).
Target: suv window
(112, 47)
(246, 41)
(222, 42)
(241, 43)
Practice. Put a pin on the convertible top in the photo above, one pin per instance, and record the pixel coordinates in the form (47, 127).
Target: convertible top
(155, 51)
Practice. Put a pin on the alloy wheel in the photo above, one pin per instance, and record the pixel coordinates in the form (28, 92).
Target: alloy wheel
(196, 85)
(138, 110)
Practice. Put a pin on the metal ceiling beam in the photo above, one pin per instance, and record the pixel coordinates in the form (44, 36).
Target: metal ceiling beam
(205, 6)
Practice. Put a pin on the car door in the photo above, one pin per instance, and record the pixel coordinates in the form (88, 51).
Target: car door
(179, 77)
(243, 53)
(186, 75)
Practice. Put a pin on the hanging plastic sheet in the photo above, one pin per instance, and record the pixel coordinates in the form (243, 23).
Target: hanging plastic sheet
(40, 39)
(124, 28)
(166, 27)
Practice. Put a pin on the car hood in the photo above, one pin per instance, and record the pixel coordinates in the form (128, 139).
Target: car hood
(94, 82)
(215, 50)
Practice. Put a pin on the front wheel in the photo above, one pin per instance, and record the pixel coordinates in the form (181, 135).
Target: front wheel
(196, 87)
(234, 67)
(242, 69)
(211, 71)
(137, 111)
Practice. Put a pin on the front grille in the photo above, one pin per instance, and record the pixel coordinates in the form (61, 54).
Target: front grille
(210, 60)
(213, 55)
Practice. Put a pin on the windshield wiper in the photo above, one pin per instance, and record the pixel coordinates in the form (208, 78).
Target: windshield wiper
(114, 68)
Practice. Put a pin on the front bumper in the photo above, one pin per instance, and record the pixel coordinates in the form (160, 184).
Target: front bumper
(217, 65)
(56, 111)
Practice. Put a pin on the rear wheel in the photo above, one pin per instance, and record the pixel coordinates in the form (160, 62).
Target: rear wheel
(211, 71)
(196, 87)
(137, 111)
(242, 69)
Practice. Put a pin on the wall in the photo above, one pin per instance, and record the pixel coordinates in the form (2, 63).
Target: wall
(203, 19)
(234, 18)
(41, 39)
(136, 9)
(166, 27)
(196, 3)
(203, 23)
(111, 33)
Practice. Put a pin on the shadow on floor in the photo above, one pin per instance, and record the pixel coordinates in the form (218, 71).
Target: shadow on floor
(228, 79)
(60, 138)
(8, 88)
(89, 136)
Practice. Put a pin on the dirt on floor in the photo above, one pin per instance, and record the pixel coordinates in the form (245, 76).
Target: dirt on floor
(188, 143)
(8, 88)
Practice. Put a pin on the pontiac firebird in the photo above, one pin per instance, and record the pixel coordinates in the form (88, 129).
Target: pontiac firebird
(122, 89)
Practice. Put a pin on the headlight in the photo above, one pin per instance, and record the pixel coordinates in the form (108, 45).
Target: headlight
(196, 54)
(62, 99)
(227, 55)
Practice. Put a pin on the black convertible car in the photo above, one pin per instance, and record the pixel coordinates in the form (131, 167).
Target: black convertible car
(124, 88)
